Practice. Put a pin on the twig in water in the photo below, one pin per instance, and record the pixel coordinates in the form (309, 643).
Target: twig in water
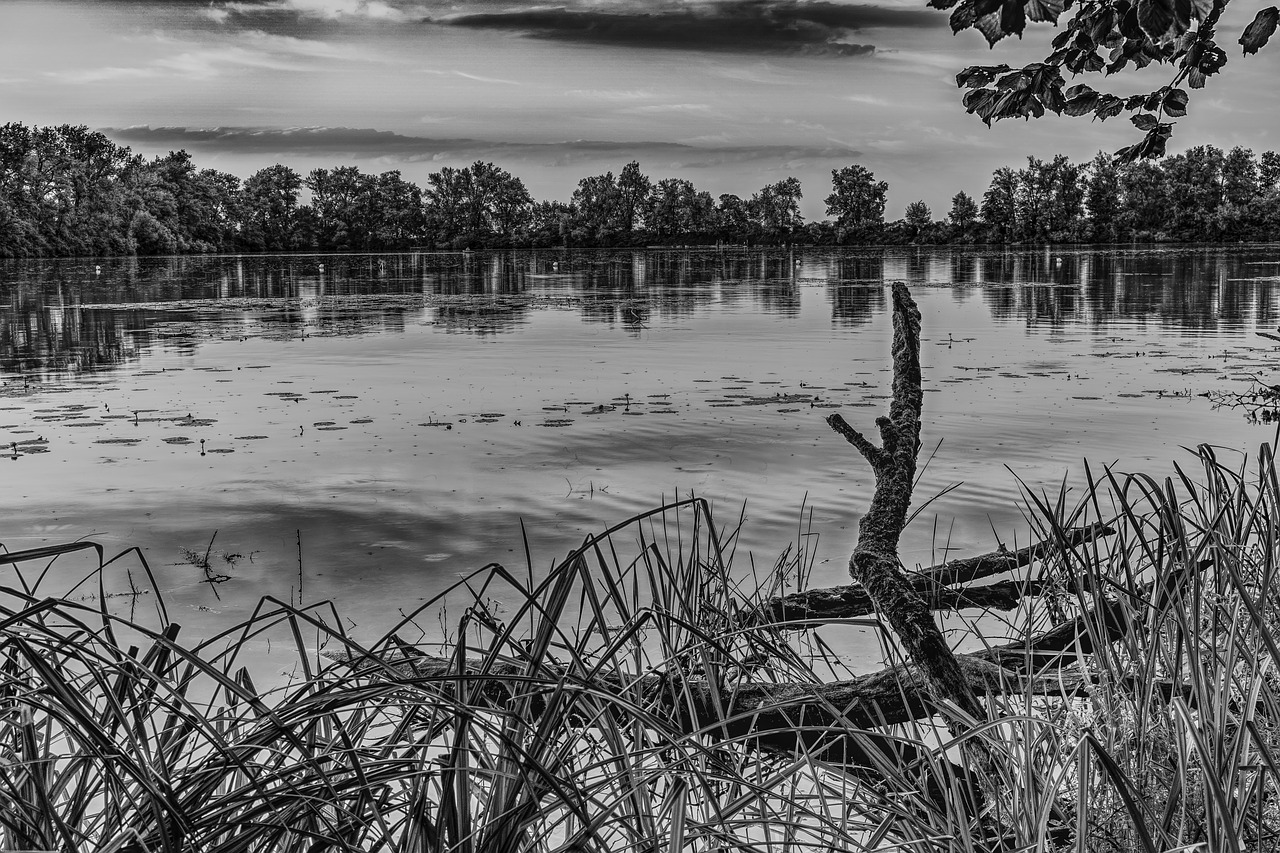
(299, 532)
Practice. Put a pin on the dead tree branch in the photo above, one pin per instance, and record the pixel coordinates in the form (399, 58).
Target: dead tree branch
(875, 564)
(814, 606)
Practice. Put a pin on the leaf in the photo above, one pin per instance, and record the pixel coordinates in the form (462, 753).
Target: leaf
(1129, 26)
(1156, 17)
(1136, 51)
(1175, 103)
(962, 17)
(1151, 146)
(1103, 23)
(1013, 18)
(1119, 781)
(1144, 121)
(1182, 10)
(1081, 104)
(1256, 34)
(1051, 97)
(976, 76)
(1044, 10)
(1108, 107)
(1084, 60)
(1212, 58)
(942, 4)
(989, 26)
(981, 102)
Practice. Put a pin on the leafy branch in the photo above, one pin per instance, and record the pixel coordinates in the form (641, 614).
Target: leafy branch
(1104, 36)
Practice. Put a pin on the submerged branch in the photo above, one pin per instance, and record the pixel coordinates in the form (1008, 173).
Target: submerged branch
(1003, 560)
(851, 600)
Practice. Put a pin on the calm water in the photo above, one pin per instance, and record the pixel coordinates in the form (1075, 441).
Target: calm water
(403, 414)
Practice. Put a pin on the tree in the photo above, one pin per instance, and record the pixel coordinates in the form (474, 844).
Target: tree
(1238, 211)
(634, 190)
(399, 219)
(596, 205)
(509, 203)
(341, 208)
(999, 204)
(1269, 172)
(1101, 36)
(549, 223)
(1195, 192)
(268, 209)
(1144, 201)
(1049, 199)
(677, 210)
(963, 213)
(857, 200)
(197, 207)
(919, 218)
(150, 236)
(1101, 199)
(444, 200)
(733, 219)
(776, 208)
(1239, 177)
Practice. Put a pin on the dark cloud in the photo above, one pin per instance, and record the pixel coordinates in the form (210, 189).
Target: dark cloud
(358, 143)
(814, 27)
(749, 26)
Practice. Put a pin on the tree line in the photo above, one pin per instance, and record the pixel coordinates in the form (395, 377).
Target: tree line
(67, 190)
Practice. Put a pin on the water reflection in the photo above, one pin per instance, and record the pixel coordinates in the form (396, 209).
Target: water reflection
(89, 314)
(856, 304)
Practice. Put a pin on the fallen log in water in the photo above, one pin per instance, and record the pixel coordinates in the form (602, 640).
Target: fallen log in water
(848, 601)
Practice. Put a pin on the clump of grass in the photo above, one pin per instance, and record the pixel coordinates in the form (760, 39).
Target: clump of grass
(632, 699)
(1177, 739)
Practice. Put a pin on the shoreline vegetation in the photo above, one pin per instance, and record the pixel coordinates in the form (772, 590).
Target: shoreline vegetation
(1120, 690)
(70, 191)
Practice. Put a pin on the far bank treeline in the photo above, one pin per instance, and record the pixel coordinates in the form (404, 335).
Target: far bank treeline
(70, 191)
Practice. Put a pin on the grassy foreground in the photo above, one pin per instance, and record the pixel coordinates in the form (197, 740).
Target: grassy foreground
(575, 718)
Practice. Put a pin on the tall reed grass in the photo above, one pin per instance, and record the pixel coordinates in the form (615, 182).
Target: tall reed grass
(616, 706)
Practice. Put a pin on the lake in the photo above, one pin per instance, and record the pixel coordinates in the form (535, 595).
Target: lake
(398, 420)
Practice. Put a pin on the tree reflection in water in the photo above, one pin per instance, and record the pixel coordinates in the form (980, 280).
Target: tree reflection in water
(88, 314)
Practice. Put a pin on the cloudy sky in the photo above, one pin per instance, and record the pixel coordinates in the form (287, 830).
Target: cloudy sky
(731, 94)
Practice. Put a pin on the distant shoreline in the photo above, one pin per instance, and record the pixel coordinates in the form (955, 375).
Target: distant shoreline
(67, 191)
(704, 247)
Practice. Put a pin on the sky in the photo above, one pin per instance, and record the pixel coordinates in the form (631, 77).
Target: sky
(730, 94)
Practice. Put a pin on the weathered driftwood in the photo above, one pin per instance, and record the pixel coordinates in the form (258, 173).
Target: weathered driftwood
(875, 563)
(933, 584)
(768, 713)
(998, 562)
(816, 606)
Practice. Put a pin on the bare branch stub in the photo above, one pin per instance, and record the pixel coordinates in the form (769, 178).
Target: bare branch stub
(869, 451)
